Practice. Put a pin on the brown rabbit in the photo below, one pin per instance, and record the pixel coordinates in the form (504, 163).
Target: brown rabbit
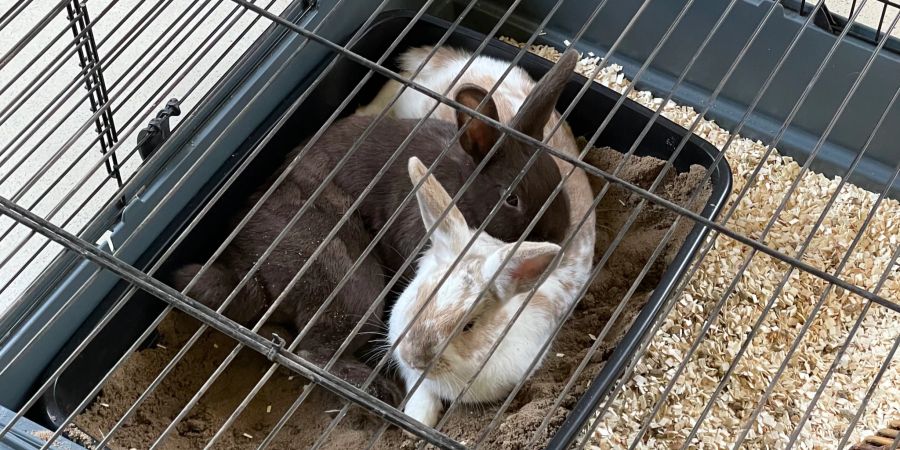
(315, 285)
(517, 210)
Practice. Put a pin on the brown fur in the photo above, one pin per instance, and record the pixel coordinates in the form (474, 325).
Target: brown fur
(480, 338)
(576, 188)
(479, 137)
(285, 261)
(423, 338)
(453, 171)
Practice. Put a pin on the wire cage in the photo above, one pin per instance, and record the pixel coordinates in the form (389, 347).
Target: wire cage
(139, 138)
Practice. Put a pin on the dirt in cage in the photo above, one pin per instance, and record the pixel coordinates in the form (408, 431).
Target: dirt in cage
(518, 423)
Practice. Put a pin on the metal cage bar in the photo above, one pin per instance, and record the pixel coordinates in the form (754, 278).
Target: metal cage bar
(282, 353)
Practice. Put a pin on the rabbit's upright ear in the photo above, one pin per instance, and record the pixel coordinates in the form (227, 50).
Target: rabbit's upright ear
(453, 230)
(478, 139)
(523, 270)
(536, 110)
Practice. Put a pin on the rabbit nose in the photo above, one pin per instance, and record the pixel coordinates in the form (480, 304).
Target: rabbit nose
(422, 360)
(419, 359)
(418, 364)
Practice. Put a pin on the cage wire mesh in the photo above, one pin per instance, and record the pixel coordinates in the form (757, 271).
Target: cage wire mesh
(781, 332)
(58, 112)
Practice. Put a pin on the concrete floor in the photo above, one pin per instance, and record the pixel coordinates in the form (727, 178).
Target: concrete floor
(870, 15)
(141, 75)
(50, 163)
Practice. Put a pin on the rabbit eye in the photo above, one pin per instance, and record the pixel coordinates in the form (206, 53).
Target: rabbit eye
(512, 200)
(469, 325)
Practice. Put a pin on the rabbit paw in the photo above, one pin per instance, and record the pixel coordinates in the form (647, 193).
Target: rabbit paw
(386, 390)
(382, 387)
(424, 406)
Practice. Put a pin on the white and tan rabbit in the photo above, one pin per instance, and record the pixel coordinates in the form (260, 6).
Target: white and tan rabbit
(468, 350)
(438, 73)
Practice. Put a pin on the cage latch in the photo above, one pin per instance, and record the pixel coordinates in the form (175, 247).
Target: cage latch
(157, 131)
(276, 348)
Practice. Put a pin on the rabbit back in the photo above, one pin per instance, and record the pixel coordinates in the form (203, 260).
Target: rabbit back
(386, 195)
(289, 255)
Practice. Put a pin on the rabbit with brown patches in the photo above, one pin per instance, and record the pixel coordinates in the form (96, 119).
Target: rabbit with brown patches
(308, 294)
(483, 318)
(437, 74)
(515, 211)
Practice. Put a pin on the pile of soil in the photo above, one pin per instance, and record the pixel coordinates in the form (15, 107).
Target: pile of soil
(519, 421)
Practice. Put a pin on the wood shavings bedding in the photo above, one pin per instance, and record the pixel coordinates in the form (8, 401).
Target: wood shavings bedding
(810, 363)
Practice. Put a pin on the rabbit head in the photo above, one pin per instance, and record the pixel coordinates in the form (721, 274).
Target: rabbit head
(447, 307)
(511, 158)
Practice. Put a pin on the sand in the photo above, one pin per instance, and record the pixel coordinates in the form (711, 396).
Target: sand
(519, 421)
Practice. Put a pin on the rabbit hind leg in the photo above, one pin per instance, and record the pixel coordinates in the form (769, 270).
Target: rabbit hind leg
(216, 284)
(350, 369)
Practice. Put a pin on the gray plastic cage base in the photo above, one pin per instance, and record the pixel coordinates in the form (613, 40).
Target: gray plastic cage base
(27, 435)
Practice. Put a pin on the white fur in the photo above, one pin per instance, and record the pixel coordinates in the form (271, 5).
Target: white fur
(516, 351)
(437, 77)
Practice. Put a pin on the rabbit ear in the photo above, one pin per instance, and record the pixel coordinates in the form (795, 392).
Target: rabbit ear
(478, 139)
(536, 110)
(433, 200)
(524, 268)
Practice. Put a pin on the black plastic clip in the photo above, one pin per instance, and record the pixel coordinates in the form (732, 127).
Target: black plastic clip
(153, 136)
(277, 345)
